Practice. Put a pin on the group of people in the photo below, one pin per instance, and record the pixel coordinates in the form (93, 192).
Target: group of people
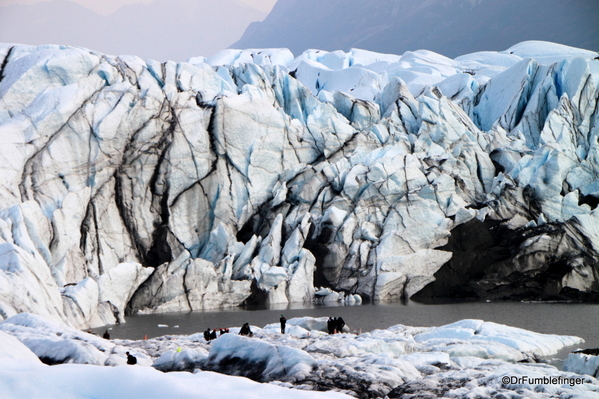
(210, 335)
(245, 330)
(335, 325)
(130, 358)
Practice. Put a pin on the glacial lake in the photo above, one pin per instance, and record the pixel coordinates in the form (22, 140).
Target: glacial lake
(550, 318)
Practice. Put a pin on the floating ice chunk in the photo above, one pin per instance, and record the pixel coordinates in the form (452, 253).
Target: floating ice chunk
(357, 299)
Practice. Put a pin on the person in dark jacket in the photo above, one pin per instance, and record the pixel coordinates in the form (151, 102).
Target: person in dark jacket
(245, 330)
(283, 320)
(340, 324)
(213, 335)
(106, 335)
(207, 335)
(331, 325)
(131, 359)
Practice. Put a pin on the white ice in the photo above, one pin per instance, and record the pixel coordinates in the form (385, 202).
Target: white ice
(372, 363)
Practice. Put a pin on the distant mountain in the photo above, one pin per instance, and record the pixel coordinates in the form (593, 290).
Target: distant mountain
(162, 30)
(449, 27)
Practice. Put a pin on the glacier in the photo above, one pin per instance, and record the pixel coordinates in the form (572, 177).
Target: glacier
(254, 176)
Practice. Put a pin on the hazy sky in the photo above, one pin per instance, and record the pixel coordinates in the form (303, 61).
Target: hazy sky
(107, 6)
(157, 29)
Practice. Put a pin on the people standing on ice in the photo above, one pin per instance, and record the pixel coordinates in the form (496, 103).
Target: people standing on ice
(223, 331)
(335, 325)
(213, 335)
(106, 335)
(131, 359)
(207, 335)
(245, 330)
(331, 325)
(283, 320)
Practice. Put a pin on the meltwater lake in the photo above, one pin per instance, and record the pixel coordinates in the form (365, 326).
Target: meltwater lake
(550, 318)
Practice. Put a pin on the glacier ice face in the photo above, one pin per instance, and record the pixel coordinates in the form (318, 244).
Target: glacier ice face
(254, 177)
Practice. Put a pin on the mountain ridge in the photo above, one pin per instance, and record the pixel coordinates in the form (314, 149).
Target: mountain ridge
(450, 27)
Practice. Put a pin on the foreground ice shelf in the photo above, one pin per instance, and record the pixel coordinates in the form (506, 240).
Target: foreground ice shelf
(464, 359)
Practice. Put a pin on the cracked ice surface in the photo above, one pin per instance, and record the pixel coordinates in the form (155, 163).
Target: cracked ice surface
(468, 358)
(133, 186)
